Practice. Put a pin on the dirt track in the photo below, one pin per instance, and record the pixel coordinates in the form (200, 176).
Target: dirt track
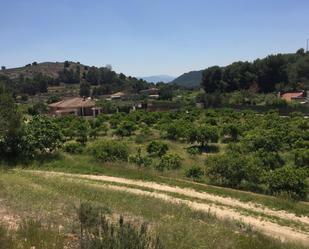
(222, 207)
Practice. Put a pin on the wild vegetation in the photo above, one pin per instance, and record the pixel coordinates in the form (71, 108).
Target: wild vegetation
(275, 72)
(36, 78)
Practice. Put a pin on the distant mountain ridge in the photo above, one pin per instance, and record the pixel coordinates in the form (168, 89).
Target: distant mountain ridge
(190, 80)
(158, 78)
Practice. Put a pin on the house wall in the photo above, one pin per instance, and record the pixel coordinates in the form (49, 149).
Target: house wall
(87, 111)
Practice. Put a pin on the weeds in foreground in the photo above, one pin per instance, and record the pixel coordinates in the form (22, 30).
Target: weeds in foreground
(31, 234)
(98, 232)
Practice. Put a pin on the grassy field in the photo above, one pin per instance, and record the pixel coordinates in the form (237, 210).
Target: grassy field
(85, 164)
(207, 217)
(54, 201)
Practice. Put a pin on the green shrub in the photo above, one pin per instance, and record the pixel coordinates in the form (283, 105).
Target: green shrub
(108, 150)
(230, 132)
(141, 138)
(156, 148)
(38, 108)
(73, 147)
(203, 135)
(302, 158)
(194, 172)
(227, 169)
(170, 162)
(269, 160)
(125, 128)
(140, 160)
(176, 130)
(288, 180)
(193, 151)
(144, 136)
(82, 131)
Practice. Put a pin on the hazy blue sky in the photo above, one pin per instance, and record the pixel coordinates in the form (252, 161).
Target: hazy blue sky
(147, 37)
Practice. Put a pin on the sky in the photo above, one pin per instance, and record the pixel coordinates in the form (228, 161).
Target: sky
(150, 37)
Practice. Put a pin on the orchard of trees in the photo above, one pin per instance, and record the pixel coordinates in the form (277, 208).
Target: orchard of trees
(275, 72)
(263, 153)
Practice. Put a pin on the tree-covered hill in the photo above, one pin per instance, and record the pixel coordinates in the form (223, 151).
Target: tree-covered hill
(37, 77)
(279, 72)
(50, 69)
(273, 73)
(189, 80)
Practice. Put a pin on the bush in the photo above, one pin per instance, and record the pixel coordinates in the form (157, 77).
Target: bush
(107, 150)
(125, 128)
(230, 132)
(144, 136)
(140, 160)
(82, 131)
(141, 138)
(288, 180)
(170, 162)
(73, 147)
(302, 158)
(194, 172)
(98, 232)
(269, 160)
(267, 140)
(203, 135)
(193, 151)
(38, 108)
(41, 135)
(177, 129)
(156, 148)
(226, 169)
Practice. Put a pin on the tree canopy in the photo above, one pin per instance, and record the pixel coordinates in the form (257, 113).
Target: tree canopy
(275, 72)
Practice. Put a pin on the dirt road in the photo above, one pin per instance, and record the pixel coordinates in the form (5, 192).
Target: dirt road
(263, 219)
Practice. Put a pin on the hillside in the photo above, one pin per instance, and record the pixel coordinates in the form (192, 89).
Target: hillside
(38, 77)
(191, 79)
(50, 69)
(276, 72)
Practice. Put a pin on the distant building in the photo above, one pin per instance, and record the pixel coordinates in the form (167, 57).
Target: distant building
(153, 96)
(117, 95)
(299, 96)
(75, 106)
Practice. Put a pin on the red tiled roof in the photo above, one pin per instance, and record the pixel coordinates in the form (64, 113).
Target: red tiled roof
(290, 96)
(74, 103)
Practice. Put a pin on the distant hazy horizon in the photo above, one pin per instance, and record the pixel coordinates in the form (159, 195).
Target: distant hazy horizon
(146, 38)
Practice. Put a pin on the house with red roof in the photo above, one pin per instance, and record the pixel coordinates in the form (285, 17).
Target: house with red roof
(299, 96)
(75, 106)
